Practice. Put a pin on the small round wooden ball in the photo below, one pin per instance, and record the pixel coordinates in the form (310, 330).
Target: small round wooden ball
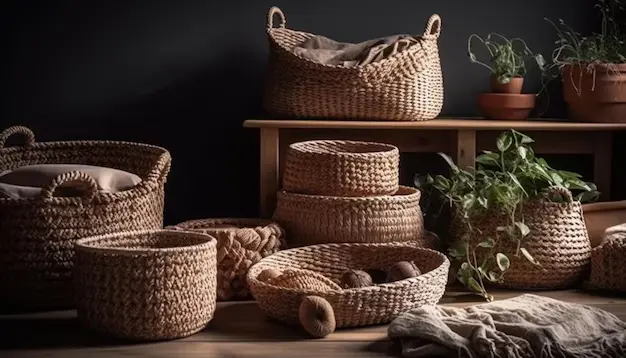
(268, 274)
(402, 270)
(356, 279)
(317, 316)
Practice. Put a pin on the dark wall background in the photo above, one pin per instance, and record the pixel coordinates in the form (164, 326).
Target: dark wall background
(185, 74)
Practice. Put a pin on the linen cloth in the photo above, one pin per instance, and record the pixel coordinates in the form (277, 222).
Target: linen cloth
(525, 326)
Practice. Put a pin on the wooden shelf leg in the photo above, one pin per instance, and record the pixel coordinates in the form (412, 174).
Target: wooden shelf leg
(269, 175)
(602, 161)
(465, 148)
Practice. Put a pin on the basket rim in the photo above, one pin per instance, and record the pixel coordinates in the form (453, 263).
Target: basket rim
(87, 244)
(404, 193)
(251, 223)
(312, 147)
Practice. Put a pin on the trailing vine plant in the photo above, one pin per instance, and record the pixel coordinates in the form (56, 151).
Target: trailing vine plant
(499, 185)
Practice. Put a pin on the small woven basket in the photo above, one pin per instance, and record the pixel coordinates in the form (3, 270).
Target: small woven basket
(341, 168)
(315, 219)
(146, 285)
(354, 307)
(240, 244)
(405, 86)
(608, 265)
(37, 235)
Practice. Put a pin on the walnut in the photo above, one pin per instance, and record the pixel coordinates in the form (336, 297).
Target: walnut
(268, 274)
(317, 316)
(356, 279)
(402, 270)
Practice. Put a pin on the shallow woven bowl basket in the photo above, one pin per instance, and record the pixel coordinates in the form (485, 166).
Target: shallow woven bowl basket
(357, 306)
(146, 285)
(558, 240)
(407, 85)
(341, 168)
(608, 265)
(315, 219)
(240, 244)
(37, 235)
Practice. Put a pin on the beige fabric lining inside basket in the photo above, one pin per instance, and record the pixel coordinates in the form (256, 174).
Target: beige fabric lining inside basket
(27, 181)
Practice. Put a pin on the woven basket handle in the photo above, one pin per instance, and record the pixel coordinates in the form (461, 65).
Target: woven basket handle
(24, 131)
(557, 191)
(274, 10)
(47, 192)
(433, 26)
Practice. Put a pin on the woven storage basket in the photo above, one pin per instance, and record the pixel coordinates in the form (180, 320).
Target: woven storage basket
(341, 168)
(37, 235)
(146, 285)
(240, 244)
(608, 265)
(314, 219)
(358, 306)
(558, 240)
(405, 86)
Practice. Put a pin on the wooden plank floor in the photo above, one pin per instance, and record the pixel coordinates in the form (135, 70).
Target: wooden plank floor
(239, 329)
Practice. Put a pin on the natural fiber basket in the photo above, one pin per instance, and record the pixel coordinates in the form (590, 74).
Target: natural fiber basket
(357, 306)
(608, 264)
(405, 86)
(37, 235)
(315, 219)
(558, 240)
(146, 285)
(341, 168)
(240, 244)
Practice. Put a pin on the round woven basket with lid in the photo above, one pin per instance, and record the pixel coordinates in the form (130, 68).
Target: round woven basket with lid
(608, 264)
(315, 219)
(240, 244)
(341, 168)
(354, 307)
(146, 285)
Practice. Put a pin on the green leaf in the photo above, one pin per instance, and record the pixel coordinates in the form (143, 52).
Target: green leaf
(522, 229)
(474, 285)
(450, 162)
(503, 261)
(556, 178)
(523, 138)
(523, 152)
(458, 249)
(488, 159)
(472, 56)
(493, 276)
(504, 141)
(529, 256)
(577, 184)
(519, 185)
(464, 273)
(569, 175)
(442, 183)
(483, 202)
(487, 243)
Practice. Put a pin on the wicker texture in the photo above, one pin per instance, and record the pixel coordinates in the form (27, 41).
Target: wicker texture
(558, 240)
(37, 235)
(314, 219)
(608, 265)
(341, 168)
(352, 307)
(240, 244)
(146, 285)
(405, 86)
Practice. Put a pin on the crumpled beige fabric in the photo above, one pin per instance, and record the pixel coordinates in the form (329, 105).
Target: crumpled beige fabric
(330, 52)
(525, 326)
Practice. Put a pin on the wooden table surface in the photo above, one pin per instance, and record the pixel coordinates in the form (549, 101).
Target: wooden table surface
(239, 329)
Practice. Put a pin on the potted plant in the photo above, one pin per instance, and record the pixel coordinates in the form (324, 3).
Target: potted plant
(507, 65)
(511, 215)
(593, 68)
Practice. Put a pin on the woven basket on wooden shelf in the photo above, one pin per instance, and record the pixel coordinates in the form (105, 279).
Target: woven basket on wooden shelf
(315, 219)
(376, 304)
(558, 240)
(608, 264)
(37, 235)
(240, 244)
(407, 85)
(146, 285)
(341, 168)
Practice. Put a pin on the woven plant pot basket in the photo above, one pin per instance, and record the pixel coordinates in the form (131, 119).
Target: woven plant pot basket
(240, 244)
(357, 306)
(146, 285)
(341, 168)
(405, 86)
(315, 219)
(37, 235)
(608, 265)
(558, 240)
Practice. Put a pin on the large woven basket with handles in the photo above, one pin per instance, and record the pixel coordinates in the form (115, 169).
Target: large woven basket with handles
(407, 85)
(37, 234)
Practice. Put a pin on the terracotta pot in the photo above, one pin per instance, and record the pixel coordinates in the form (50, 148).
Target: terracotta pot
(600, 216)
(514, 86)
(506, 106)
(596, 95)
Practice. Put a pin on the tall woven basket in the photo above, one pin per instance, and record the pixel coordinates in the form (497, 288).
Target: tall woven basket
(405, 86)
(37, 235)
